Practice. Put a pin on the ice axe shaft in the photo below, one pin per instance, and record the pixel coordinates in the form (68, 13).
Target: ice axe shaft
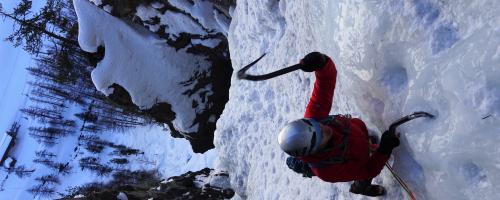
(243, 75)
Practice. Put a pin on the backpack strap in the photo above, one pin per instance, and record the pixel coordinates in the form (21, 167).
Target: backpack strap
(345, 129)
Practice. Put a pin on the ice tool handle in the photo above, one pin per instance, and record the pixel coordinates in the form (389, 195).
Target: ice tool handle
(243, 75)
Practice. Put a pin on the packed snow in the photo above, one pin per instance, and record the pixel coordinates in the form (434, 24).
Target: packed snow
(393, 58)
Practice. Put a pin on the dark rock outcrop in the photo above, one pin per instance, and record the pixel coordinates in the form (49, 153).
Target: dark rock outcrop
(204, 184)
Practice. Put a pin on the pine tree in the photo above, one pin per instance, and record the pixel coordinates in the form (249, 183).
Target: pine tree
(63, 169)
(31, 30)
(94, 147)
(42, 114)
(45, 139)
(92, 163)
(21, 171)
(119, 161)
(48, 102)
(64, 123)
(44, 161)
(48, 179)
(42, 190)
(14, 129)
(87, 116)
(40, 93)
(45, 154)
(125, 151)
(49, 131)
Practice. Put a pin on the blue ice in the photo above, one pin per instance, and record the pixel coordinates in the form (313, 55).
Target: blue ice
(394, 79)
(473, 174)
(445, 35)
(427, 12)
(443, 38)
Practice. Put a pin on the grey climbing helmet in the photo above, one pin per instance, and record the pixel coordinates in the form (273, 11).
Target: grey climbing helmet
(300, 137)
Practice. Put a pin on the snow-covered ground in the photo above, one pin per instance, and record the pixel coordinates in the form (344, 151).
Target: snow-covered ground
(393, 58)
(169, 156)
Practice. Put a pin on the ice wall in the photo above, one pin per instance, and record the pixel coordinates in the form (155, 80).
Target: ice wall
(393, 58)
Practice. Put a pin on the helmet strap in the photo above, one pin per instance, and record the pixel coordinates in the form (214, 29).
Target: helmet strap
(319, 136)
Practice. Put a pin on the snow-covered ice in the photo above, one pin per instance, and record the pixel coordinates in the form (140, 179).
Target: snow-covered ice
(204, 13)
(121, 196)
(393, 58)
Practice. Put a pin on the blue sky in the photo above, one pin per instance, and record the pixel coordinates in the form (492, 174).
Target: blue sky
(13, 74)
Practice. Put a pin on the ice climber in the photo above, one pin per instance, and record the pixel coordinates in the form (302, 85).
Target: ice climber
(333, 148)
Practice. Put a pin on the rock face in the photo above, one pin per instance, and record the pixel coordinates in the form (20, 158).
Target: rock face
(195, 28)
(204, 184)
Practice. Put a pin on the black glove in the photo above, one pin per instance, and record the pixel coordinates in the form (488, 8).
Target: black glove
(299, 166)
(388, 142)
(313, 61)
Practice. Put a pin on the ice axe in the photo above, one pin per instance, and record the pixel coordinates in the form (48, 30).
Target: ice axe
(392, 130)
(243, 75)
(394, 125)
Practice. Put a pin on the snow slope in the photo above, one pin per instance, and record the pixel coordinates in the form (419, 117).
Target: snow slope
(169, 156)
(393, 58)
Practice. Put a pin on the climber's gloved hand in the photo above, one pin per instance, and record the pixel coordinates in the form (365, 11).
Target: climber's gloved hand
(388, 142)
(313, 61)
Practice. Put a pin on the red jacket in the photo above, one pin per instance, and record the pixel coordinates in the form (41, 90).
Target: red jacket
(359, 164)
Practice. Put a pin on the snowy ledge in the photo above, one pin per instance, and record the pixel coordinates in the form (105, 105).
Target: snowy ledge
(181, 71)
